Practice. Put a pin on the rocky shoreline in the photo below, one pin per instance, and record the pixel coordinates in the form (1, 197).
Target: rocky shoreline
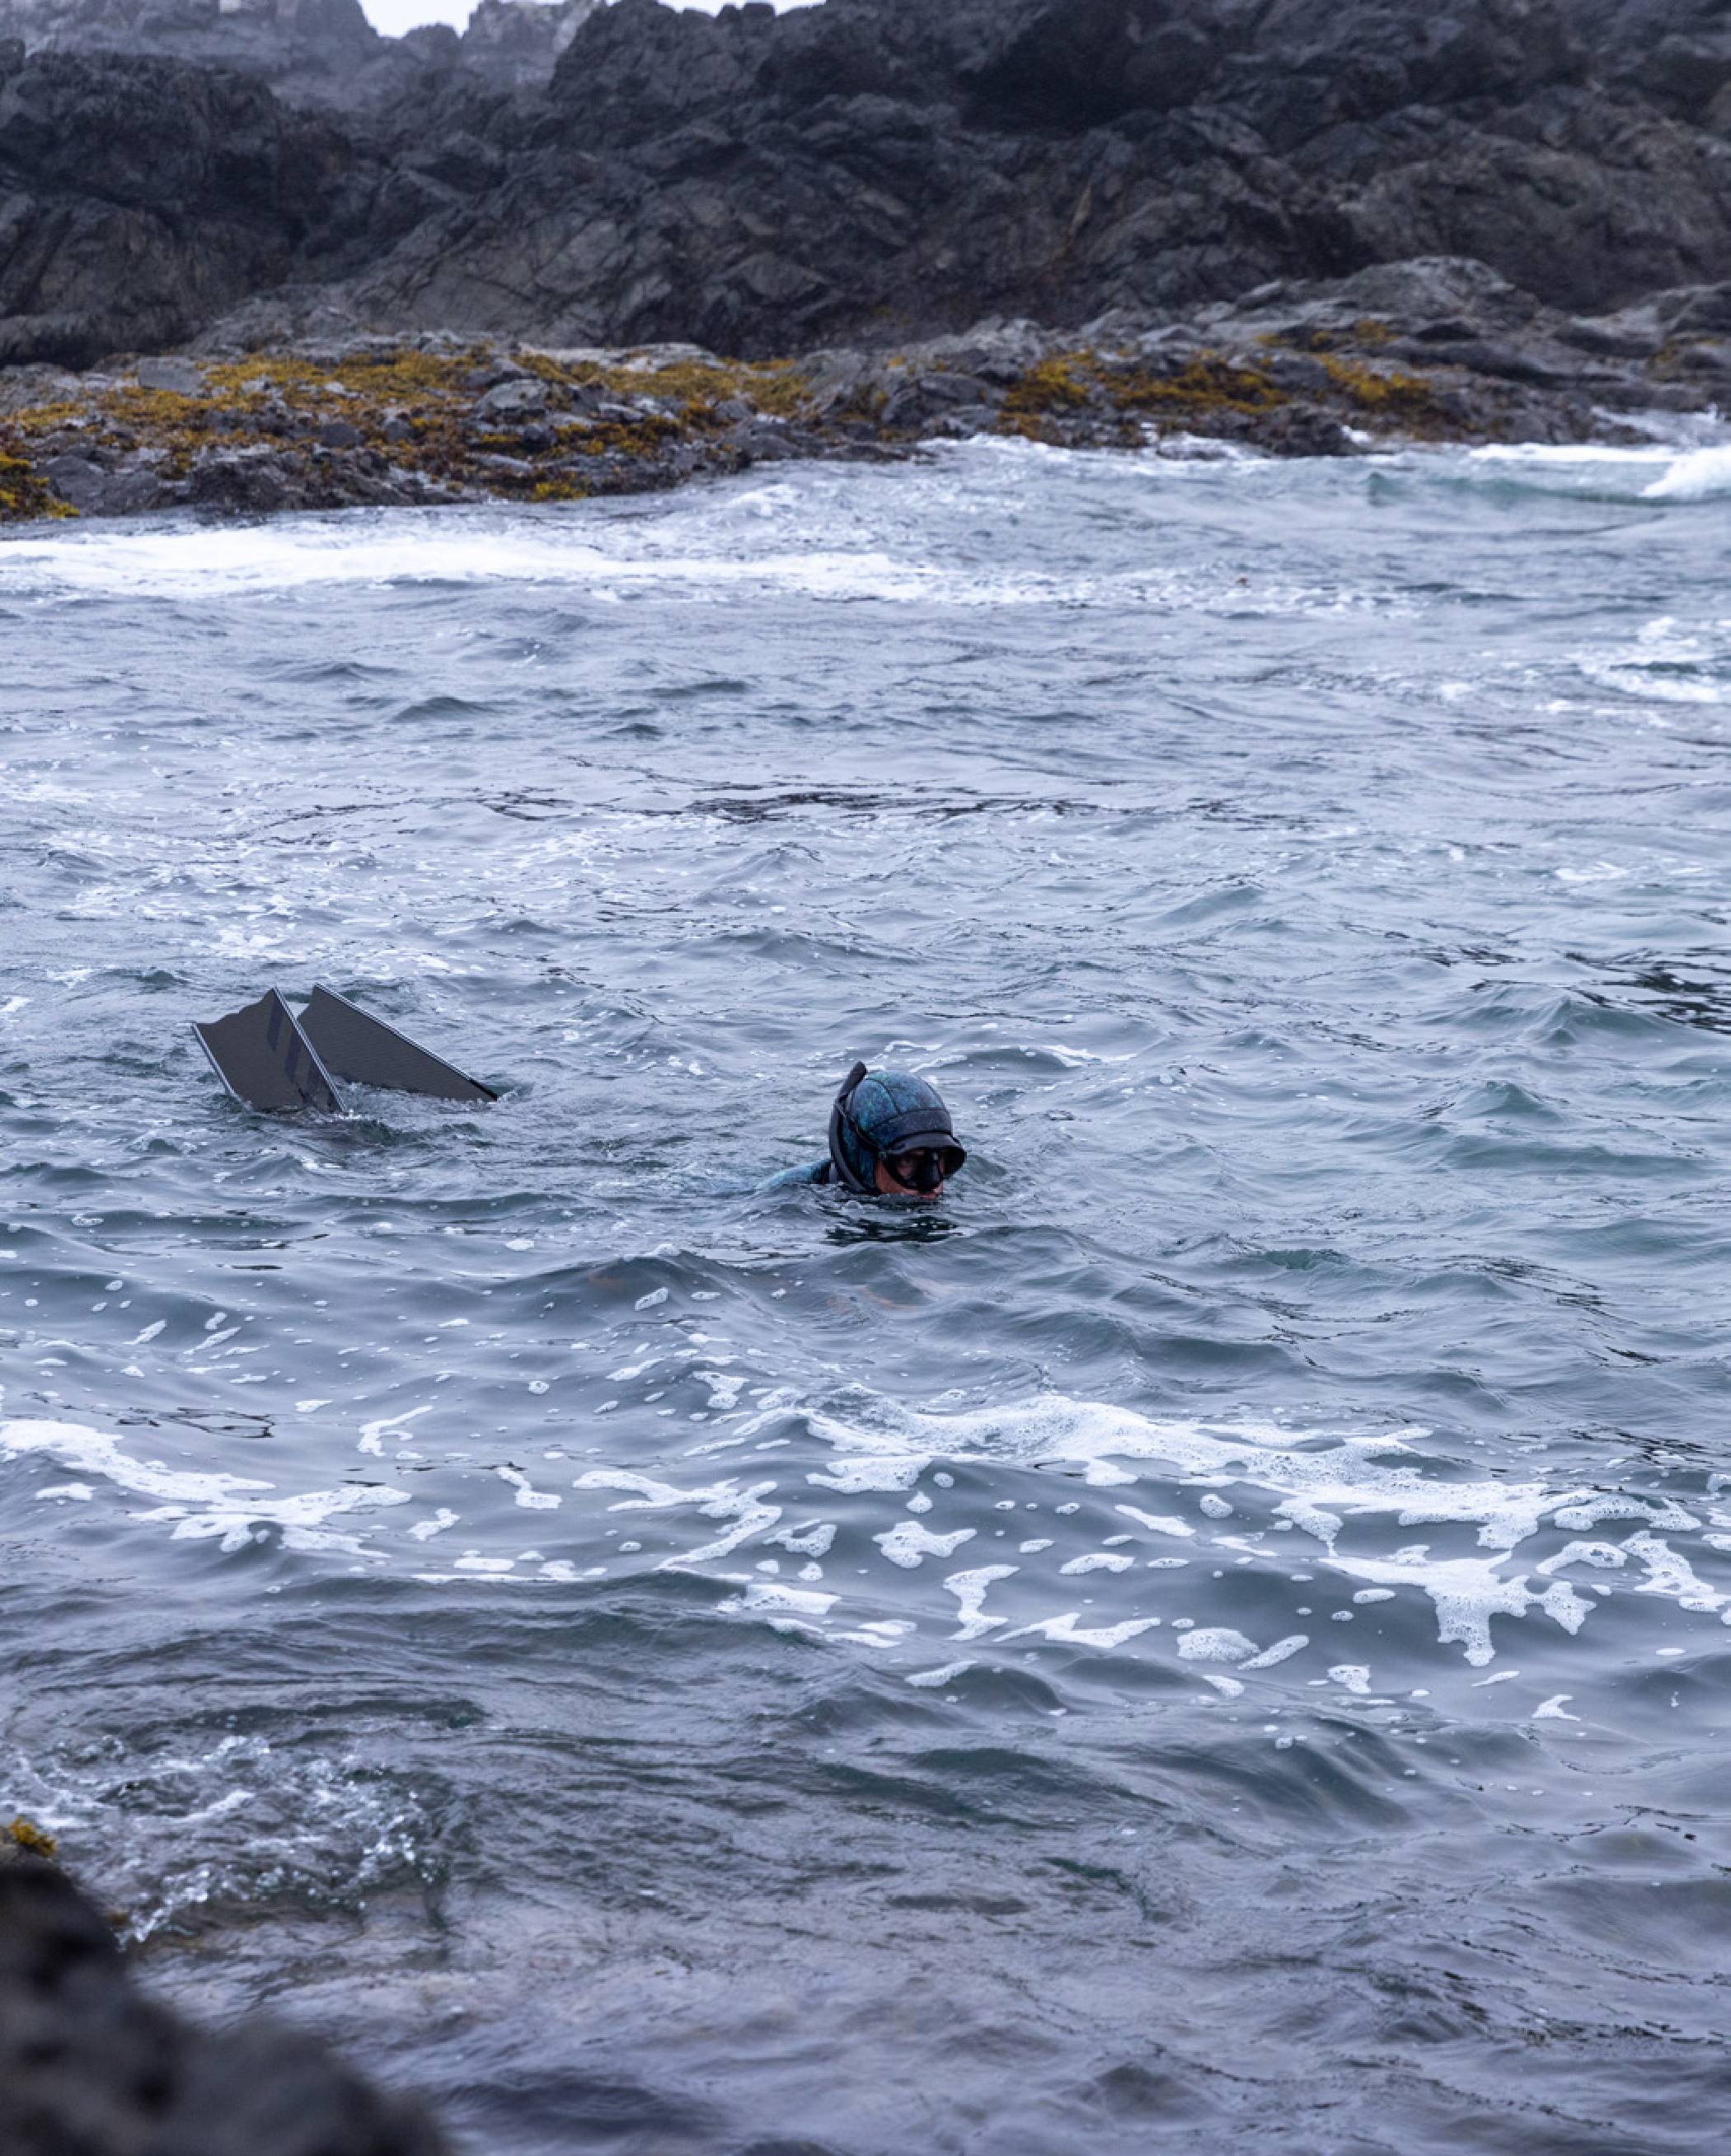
(1438, 350)
(436, 269)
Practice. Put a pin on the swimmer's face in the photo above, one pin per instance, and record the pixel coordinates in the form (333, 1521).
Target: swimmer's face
(912, 1174)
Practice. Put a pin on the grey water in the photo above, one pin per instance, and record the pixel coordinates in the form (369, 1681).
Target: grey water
(1215, 1634)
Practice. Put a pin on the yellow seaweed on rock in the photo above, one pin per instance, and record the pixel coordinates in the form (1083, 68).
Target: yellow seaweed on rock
(280, 401)
(1064, 383)
(419, 414)
(1209, 383)
(1385, 392)
(24, 494)
(28, 1835)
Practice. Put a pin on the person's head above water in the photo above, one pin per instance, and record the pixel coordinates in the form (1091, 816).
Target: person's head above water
(890, 1134)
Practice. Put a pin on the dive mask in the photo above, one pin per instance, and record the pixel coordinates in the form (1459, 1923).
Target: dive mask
(926, 1168)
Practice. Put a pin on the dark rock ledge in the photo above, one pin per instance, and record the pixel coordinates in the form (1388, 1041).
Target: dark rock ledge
(91, 2065)
(1437, 350)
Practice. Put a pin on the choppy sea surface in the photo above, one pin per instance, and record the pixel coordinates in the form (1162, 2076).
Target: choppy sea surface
(1218, 1634)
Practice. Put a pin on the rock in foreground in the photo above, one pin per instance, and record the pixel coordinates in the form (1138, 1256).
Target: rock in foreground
(91, 2066)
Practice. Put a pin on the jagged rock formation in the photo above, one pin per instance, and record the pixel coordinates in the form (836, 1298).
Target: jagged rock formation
(290, 44)
(91, 2066)
(516, 43)
(141, 197)
(1676, 52)
(312, 51)
(870, 170)
(756, 182)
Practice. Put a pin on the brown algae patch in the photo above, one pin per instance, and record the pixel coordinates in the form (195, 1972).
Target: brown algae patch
(29, 1836)
(1122, 394)
(405, 412)
(1386, 393)
(387, 421)
(24, 494)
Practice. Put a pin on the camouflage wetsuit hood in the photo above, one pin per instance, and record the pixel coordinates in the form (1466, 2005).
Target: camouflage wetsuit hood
(881, 1112)
(877, 1114)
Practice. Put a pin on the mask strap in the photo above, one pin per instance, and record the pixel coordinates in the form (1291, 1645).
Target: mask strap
(839, 1118)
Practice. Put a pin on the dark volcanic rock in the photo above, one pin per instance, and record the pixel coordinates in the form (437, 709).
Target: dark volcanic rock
(517, 43)
(873, 168)
(312, 52)
(1676, 52)
(290, 43)
(138, 198)
(91, 2066)
(95, 489)
(865, 171)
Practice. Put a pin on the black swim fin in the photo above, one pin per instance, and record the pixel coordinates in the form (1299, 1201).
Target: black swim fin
(364, 1049)
(265, 1059)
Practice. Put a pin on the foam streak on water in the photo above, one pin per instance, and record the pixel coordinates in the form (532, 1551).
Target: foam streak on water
(1228, 1611)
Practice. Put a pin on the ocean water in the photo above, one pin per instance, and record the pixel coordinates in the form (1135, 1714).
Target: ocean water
(1216, 1635)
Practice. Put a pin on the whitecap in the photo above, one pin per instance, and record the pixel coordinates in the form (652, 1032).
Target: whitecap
(1698, 475)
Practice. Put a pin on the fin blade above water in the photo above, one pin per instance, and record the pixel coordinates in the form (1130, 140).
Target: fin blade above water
(356, 1045)
(266, 1059)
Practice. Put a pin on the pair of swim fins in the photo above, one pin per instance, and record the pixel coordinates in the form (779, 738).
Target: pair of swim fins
(268, 1057)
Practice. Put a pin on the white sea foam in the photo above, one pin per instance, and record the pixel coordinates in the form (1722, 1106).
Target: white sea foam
(1282, 1650)
(1069, 1630)
(1350, 1499)
(204, 1506)
(969, 1589)
(1215, 1643)
(1572, 453)
(531, 1499)
(1315, 1486)
(814, 1541)
(395, 1426)
(1468, 1593)
(721, 1501)
(74, 1445)
(931, 1679)
(606, 563)
(827, 539)
(1701, 475)
(193, 563)
(1670, 1573)
(1316, 1489)
(1669, 662)
(1679, 474)
(784, 1607)
(1157, 1524)
(908, 1544)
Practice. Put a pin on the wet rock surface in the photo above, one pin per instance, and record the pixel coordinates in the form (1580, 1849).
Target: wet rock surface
(89, 2063)
(1439, 350)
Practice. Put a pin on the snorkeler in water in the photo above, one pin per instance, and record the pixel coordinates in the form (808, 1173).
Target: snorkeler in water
(890, 1136)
